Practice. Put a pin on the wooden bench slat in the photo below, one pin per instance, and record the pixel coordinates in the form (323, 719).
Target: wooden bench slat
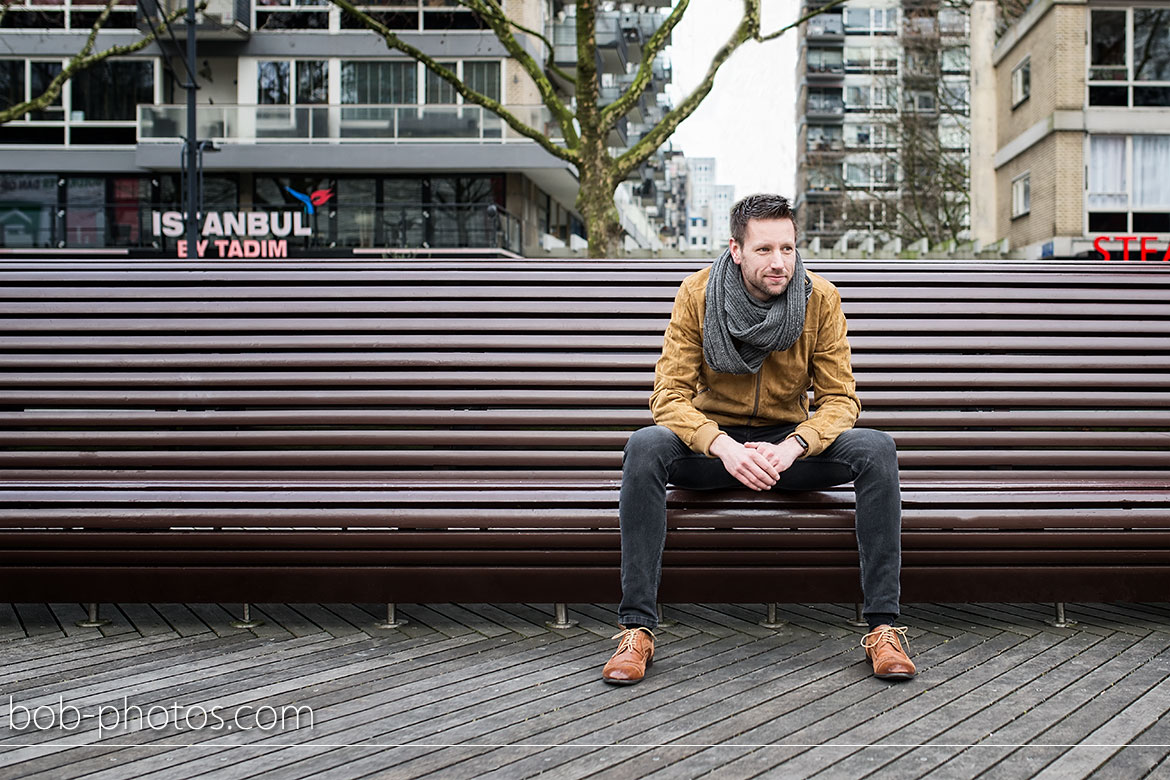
(1153, 291)
(232, 440)
(551, 398)
(1158, 419)
(587, 360)
(521, 459)
(520, 276)
(985, 478)
(487, 494)
(560, 342)
(641, 379)
(402, 539)
(607, 309)
(454, 325)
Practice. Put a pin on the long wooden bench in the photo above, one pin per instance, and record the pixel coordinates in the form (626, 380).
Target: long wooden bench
(422, 431)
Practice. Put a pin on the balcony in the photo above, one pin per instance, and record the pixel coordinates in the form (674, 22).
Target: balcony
(221, 20)
(330, 124)
(612, 46)
(825, 148)
(825, 27)
(825, 66)
(825, 109)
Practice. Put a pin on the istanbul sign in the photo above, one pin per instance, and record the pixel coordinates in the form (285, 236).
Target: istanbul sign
(242, 233)
(235, 233)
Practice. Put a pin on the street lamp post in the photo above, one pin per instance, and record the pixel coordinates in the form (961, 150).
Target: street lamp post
(192, 145)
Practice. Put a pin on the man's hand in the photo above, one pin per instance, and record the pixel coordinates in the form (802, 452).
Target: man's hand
(749, 465)
(780, 456)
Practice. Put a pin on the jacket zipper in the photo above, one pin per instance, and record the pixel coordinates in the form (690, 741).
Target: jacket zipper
(756, 405)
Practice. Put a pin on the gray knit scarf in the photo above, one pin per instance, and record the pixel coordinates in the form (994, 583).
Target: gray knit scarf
(740, 331)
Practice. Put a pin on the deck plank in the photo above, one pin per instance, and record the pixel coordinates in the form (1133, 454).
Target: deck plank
(487, 691)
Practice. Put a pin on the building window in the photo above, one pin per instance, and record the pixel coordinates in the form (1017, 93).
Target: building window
(1108, 187)
(1021, 82)
(825, 61)
(871, 21)
(1126, 183)
(11, 83)
(379, 83)
(825, 101)
(869, 98)
(272, 83)
(66, 14)
(301, 82)
(94, 100)
(1021, 195)
(824, 138)
(867, 174)
(955, 96)
(87, 111)
(1115, 77)
(440, 90)
(483, 77)
(865, 135)
(919, 101)
(291, 15)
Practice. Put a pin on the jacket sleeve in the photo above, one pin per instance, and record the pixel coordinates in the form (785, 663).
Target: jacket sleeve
(676, 377)
(834, 389)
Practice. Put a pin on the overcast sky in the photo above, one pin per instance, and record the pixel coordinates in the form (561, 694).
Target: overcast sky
(748, 121)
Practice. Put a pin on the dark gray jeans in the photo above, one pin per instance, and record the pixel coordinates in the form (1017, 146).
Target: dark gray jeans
(655, 456)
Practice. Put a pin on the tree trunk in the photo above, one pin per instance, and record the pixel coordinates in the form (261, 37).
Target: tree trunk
(596, 206)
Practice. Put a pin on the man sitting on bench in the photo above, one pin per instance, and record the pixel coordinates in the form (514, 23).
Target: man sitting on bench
(747, 338)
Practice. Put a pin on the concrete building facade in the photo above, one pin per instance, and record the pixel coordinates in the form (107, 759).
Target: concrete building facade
(1083, 128)
(883, 112)
(302, 112)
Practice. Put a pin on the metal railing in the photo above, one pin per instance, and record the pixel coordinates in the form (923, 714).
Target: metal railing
(350, 123)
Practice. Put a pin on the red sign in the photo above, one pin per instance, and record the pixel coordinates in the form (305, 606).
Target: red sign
(1145, 251)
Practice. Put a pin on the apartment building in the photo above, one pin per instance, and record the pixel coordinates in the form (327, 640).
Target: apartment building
(347, 147)
(883, 113)
(1083, 129)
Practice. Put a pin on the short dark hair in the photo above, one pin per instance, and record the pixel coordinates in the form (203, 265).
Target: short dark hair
(759, 206)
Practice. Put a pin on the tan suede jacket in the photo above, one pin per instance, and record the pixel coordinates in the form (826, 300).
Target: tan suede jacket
(693, 400)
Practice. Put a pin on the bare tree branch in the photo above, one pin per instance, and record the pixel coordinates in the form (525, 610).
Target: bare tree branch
(798, 22)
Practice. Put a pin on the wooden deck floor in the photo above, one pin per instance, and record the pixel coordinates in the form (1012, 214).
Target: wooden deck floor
(479, 691)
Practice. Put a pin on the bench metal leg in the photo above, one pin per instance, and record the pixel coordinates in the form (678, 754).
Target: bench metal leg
(561, 621)
(772, 621)
(858, 618)
(93, 621)
(1061, 621)
(392, 619)
(663, 621)
(247, 621)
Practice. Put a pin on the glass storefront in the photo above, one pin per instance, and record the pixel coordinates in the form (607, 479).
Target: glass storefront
(338, 213)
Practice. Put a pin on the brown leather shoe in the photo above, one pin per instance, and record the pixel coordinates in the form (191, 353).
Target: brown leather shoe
(634, 654)
(889, 661)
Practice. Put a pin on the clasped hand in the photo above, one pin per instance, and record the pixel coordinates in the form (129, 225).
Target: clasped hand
(757, 464)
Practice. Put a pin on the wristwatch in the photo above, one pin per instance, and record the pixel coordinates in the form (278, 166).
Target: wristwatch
(800, 440)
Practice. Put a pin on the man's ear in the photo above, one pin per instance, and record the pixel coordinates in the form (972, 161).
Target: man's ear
(735, 250)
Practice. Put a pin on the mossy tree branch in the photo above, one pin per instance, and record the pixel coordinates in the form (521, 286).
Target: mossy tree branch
(622, 106)
(86, 58)
(492, 13)
(394, 42)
